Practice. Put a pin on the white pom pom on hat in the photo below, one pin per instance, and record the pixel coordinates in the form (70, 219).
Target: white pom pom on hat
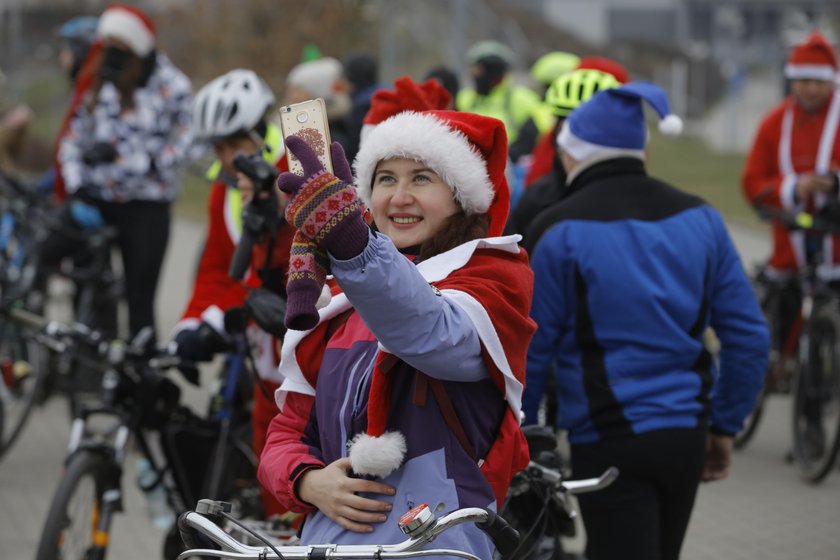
(377, 455)
(671, 125)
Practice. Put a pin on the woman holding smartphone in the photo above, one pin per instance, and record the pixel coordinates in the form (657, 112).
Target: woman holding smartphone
(408, 389)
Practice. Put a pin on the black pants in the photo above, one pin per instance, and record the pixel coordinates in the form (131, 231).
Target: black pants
(142, 236)
(644, 514)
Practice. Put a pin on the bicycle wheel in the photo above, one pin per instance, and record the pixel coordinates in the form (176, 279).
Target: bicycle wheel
(73, 528)
(22, 379)
(816, 401)
(769, 296)
(743, 437)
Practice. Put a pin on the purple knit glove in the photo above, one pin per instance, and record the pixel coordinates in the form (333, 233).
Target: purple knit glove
(322, 206)
(328, 215)
(307, 274)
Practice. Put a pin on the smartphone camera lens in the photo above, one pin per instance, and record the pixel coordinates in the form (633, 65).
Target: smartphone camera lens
(302, 117)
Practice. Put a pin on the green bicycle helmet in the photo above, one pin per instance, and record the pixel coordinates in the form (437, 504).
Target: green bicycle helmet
(551, 66)
(571, 89)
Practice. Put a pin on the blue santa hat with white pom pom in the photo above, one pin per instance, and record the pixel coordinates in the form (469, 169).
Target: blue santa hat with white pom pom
(612, 122)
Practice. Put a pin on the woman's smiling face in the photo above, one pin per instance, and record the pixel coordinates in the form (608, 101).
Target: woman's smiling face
(410, 202)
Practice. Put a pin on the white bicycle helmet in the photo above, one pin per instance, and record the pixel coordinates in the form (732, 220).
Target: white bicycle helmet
(233, 103)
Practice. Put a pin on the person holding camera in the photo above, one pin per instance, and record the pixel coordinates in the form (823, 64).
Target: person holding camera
(125, 136)
(407, 390)
(231, 113)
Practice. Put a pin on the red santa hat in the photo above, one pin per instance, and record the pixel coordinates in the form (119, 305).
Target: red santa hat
(604, 64)
(129, 25)
(468, 151)
(407, 95)
(813, 59)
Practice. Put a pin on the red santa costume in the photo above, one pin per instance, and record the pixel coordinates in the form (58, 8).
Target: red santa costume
(791, 141)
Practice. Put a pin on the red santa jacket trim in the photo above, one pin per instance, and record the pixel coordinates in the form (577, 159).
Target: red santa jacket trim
(434, 269)
(829, 132)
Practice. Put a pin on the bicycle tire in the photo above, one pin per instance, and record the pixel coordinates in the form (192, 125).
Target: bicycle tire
(743, 437)
(768, 298)
(87, 471)
(22, 383)
(816, 446)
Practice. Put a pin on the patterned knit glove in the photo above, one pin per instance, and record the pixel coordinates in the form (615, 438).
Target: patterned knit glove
(322, 206)
(308, 268)
(328, 216)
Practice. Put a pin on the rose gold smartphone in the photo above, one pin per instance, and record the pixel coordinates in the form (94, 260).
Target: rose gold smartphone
(307, 120)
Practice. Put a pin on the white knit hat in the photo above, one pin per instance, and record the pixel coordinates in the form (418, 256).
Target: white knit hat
(318, 77)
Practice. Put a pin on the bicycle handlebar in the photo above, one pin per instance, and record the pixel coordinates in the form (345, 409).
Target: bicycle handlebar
(505, 537)
(799, 220)
(55, 335)
(575, 487)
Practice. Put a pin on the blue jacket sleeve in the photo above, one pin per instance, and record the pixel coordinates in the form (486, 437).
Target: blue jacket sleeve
(549, 310)
(407, 316)
(745, 341)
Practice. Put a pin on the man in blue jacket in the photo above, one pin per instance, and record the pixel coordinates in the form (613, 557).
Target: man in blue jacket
(629, 272)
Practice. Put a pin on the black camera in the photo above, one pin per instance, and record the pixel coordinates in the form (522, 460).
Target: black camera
(262, 173)
(260, 217)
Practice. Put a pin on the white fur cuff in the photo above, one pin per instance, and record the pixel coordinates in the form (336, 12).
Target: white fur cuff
(377, 456)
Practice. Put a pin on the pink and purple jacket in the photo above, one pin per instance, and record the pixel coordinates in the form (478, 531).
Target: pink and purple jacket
(460, 318)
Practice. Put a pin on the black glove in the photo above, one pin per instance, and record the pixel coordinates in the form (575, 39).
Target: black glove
(99, 153)
(200, 344)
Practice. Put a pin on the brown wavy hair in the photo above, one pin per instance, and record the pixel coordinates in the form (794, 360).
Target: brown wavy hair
(134, 76)
(457, 229)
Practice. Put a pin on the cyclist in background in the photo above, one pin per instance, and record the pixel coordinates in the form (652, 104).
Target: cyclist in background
(447, 78)
(637, 389)
(793, 165)
(495, 95)
(361, 73)
(795, 158)
(127, 132)
(231, 113)
(76, 35)
(565, 93)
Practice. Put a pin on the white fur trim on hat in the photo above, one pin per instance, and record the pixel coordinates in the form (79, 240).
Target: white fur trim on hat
(581, 150)
(824, 72)
(377, 456)
(447, 151)
(125, 26)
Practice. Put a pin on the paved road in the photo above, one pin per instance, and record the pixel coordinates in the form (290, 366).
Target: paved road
(761, 512)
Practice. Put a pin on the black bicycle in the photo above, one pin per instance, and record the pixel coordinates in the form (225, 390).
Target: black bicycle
(815, 383)
(138, 403)
(539, 503)
(27, 220)
(780, 299)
